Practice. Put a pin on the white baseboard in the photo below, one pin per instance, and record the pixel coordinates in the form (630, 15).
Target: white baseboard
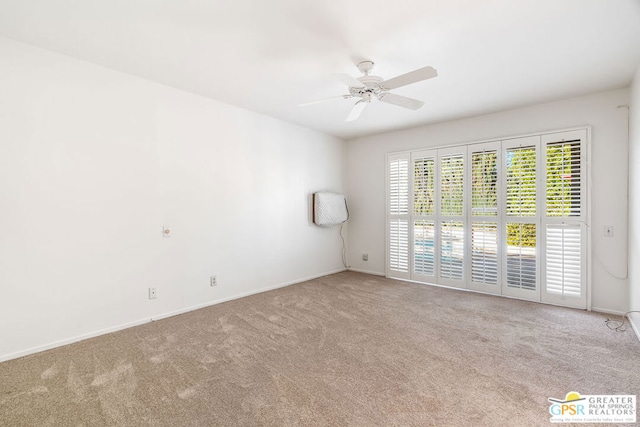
(71, 340)
(374, 273)
(634, 321)
(607, 311)
(242, 295)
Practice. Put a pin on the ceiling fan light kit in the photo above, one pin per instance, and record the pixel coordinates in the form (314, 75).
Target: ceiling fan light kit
(366, 87)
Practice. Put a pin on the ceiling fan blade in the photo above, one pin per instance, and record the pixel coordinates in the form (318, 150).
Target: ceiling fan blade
(356, 111)
(410, 77)
(348, 80)
(400, 101)
(318, 101)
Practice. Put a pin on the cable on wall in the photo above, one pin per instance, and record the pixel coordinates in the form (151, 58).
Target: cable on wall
(330, 209)
(619, 325)
(344, 249)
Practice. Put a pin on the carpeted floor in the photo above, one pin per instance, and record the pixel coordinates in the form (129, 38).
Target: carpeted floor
(344, 350)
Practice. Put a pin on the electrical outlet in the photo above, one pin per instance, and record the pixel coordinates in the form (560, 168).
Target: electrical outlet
(152, 293)
(213, 281)
(608, 230)
(365, 257)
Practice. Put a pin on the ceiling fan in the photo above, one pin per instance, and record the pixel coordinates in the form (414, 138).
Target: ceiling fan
(368, 87)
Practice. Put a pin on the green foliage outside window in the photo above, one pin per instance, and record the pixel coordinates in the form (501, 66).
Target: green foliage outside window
(563, 179)
(451, 185)
(423, 188)
(521, 195)
(484, 178)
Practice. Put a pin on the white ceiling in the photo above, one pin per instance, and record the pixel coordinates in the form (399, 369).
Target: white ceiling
(269, 56)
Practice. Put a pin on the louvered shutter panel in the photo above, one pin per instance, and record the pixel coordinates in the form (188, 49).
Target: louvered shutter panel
(564, 259)
(423, 216)
(521, 218)
(451, 179)
(563, 164)
(451, 250)
(398, 216)
(521, 181)
(424, 247)
(521, 256)
(484, 252)
(399, 187)
(484, 179)
(451, 185)
(423, 186)
(564, 219)
(399, 245)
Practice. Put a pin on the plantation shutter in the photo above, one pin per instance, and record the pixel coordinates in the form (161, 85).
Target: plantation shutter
(424, 216)
(399, 245)
(521, 181)
(484, 252)
(483, 217)
(452, 216)
(451, 185)
(398, 216)
(521, 256)
(564, 259)
(564, 175)
(521, 218)
(564, 220)
(399, 187)
(452, 250)
(424, 248)
(484, 182)
(507, 217)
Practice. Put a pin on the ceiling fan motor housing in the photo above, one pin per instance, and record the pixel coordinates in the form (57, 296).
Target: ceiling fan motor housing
(365, 67)
(371, 87)
(370, 81)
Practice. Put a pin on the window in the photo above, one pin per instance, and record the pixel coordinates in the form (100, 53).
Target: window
(506, 217)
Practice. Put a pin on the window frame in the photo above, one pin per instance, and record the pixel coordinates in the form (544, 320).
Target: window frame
(541, 219)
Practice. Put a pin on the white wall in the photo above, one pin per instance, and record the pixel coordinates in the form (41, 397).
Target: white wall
(634, 202)
(93, 163)
(366, 179)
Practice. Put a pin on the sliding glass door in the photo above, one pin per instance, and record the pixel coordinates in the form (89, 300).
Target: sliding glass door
(503, 217)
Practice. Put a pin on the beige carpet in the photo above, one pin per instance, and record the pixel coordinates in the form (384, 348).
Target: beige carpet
(344, 350)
